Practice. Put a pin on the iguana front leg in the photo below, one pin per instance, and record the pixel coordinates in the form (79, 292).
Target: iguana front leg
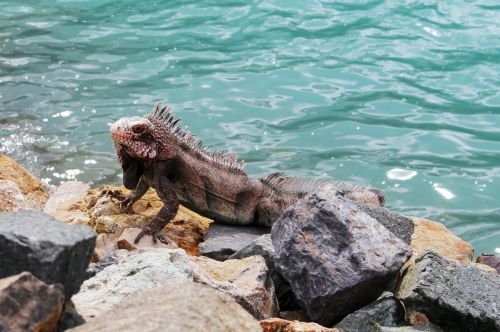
(166, 192)
(139, 191)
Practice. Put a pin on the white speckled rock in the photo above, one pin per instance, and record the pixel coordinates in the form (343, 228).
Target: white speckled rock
(180, 307)
(135, 272)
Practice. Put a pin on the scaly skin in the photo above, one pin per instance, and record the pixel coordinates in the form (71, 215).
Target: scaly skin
(155, 152)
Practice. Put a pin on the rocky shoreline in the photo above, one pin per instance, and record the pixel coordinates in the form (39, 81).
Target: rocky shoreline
(68, 261)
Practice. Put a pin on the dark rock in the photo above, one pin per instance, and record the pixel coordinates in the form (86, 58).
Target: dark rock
(490, 260)
(335, 257)
(386, 311)
(455, 297)
(174, 308)
(221, 241)
(69, 317)
(398, 224)
(53, 251)
(28, 304)
(101, 265)
(263, 246)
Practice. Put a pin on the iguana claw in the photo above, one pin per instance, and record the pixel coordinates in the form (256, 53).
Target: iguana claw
(150, 229)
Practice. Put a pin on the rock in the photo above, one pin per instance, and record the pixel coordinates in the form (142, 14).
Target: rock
(101, 265)
(127, 237)
(398, 224)
(34, 190)
(103, 213)
(11, 197)
(489, 260)
(484, 267)
(335, 257)
(53, 251)
(248, 281)
(176, 307)
(455, 297)
(430, 235)
(105, 245)
(135, 272)
(62, 203)
(263, 246)
(221, 241)
(386, 311)
(187, 230)
(428, 327)
(28, 304)
(299, 315)
(282, 325)
(69, 317)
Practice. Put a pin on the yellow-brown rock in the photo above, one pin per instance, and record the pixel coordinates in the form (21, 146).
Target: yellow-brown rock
(430, 235)
(283, 325)
(247, 280)
(11, 198)
(103, 213)
(34, 190)
(128, 235)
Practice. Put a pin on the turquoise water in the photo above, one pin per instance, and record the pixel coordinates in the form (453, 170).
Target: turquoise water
(401, 95)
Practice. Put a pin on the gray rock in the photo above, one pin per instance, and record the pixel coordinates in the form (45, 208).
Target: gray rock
(386, 311)
(28, 304)
(246, 280)
(263, 246)
(221, 241)
(398, 224)
(455, 297)
(181, 307)
(335, 257)
(53, 251)
(135, 272)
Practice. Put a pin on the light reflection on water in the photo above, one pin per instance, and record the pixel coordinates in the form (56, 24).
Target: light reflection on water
(401, 96)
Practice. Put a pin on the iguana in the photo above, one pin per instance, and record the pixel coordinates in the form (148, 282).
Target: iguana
(154, 151)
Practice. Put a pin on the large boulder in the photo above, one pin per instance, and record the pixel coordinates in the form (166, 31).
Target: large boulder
(386, 311)
(263, 246)
(221, 241)
(335, 257)
(247, 280)
(34, 190)
(53, 251)
(135, 271)
(28, 304)
(455, 297)
(179, 307)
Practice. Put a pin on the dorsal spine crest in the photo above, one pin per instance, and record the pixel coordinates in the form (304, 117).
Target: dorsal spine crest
(189, 142)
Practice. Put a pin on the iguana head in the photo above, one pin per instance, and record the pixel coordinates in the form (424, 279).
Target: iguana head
(136, 136)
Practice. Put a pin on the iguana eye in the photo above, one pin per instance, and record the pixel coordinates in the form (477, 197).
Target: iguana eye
(146, 137)
(139, 129)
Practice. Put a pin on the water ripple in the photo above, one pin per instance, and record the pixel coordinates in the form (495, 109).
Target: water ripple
(321, 89)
